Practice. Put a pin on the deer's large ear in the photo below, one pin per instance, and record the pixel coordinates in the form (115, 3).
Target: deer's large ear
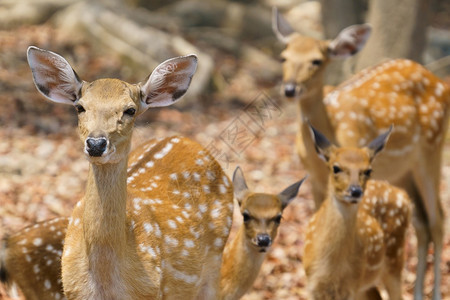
(378, 143)
(53, 76)
(240, 188)
(349, 41)
(289, 193)
(281, 27)
(169, 81)
(321, 143)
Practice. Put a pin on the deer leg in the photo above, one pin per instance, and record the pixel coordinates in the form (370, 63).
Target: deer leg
(393, 283)
(427, 179)
(420, 222)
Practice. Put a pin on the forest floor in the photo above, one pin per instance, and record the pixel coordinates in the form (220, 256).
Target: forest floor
(43, 171)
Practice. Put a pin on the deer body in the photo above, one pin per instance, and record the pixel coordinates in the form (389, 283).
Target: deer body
(356, 238)
(398, 92)
(31, 258)
(163, 235)
(245, 253)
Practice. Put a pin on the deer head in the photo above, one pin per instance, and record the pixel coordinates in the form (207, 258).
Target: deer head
(107, 108)
(305, 58)
(261, 212)
(350, 167)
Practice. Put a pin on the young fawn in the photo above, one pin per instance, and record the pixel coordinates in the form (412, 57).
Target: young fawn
(244, 255)
(356, 238)
(399, 92)
(163, 236)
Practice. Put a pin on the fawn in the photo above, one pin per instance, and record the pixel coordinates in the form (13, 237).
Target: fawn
(163, 235)
(399, 92)
(356, 238)
(244, 255)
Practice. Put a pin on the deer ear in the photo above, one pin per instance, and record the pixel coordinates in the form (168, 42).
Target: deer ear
(169, 81)
(289, 193)
(378, 143)
(281, 27)
(53, 76)
(239, 185)
(321, 143)
(349, 41)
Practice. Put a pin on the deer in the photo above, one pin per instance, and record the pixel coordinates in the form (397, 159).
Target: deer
(399, 92)
(245, 253)
(141, 236)
(356, 238)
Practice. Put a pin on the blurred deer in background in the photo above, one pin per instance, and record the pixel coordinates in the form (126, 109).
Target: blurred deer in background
(356, 238)
(163, 237)
(245, 253)
(398, 92)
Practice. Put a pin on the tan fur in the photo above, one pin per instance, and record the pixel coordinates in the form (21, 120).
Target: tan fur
(398, 92)
(350, 247)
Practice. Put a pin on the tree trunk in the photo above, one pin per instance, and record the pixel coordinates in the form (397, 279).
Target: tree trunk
(399, 30)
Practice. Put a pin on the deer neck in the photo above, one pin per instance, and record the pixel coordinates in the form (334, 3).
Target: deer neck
(342, 218)
(104, 216)
(312, 109)
(241, 264)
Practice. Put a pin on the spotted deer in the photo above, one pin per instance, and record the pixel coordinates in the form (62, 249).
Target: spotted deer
(356, 238)
(399, 92)
(245, 253)
(148, 236)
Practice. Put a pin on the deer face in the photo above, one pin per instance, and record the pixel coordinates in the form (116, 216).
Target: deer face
(261, 212)
(304, 61)
(106, 113)
(350, 168)
(262, 216)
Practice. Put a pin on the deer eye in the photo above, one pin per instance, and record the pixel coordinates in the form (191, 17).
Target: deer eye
(277, 219)
(79, 108)
(316, 62)
(282, 59)
(246, 217)
(131, 111)
(368, 172)
(336, 169)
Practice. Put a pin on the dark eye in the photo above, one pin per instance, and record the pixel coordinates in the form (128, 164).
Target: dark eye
(246, 217)
(282, 59)
(368, 172)
(130, 112)
(317, 62)
(277, 219)
(79, 108)
(336, 169)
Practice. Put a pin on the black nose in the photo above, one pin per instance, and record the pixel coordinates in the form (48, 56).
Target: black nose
(289, 90)
(263, 240)
(96, 146)
(356, 191)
